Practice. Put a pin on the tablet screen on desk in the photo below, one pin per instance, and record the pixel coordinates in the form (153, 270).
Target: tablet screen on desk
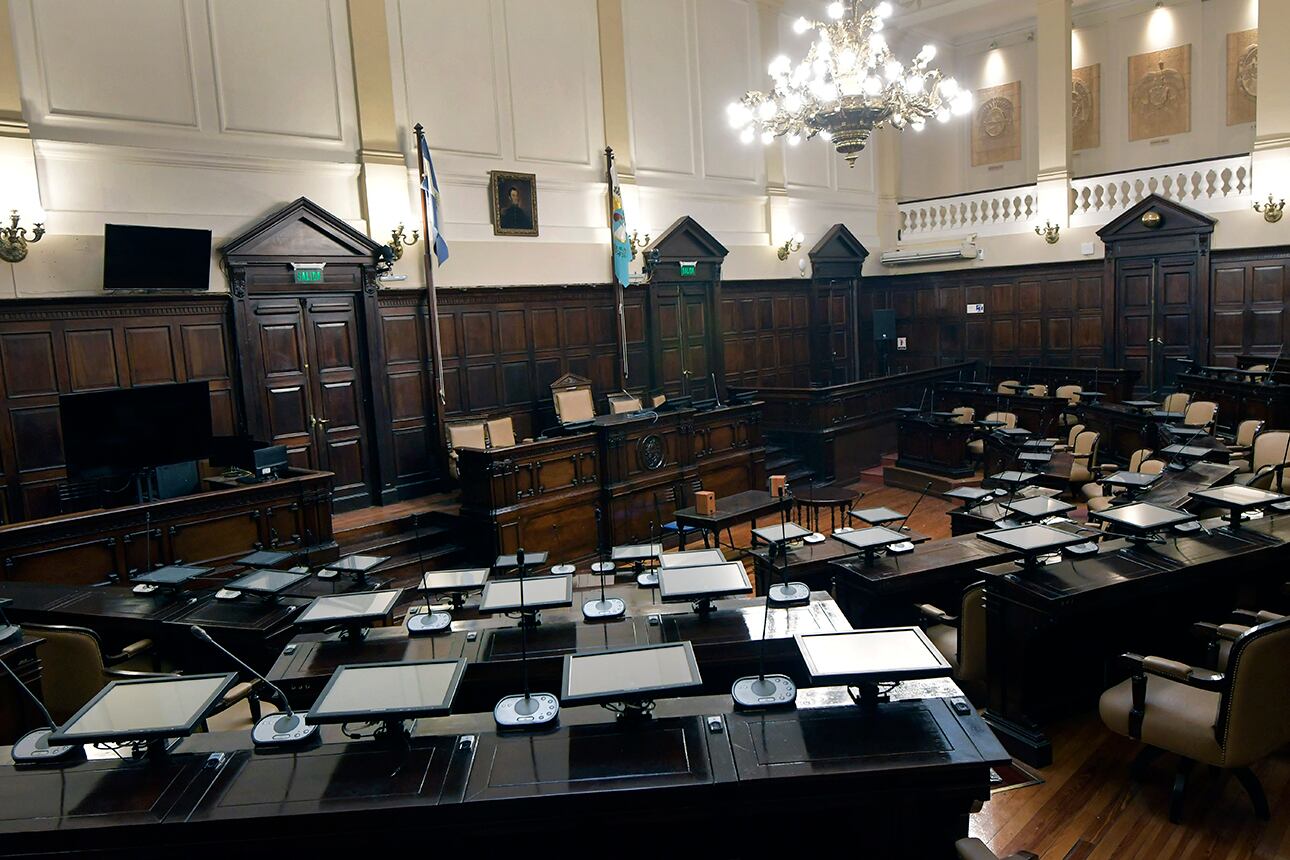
(146, 708)
(629, 673)
(880, 654)
(454, 580)
(693, 583)
(503, 595)
(345, 607)
(388, 690)
(691, 558)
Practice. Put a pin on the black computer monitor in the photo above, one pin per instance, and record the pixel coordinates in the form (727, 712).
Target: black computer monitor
(388, 692)
(540, 592)
(268, 462)
(629, 674)
(682, 584)
(170, 576)
(138, 257)
(451, 581)
(1141, 518)
(870, 656)
(146, 709)
(363, 607)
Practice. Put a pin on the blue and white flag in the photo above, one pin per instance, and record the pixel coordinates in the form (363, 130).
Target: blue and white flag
(430, 188)
(618, 228)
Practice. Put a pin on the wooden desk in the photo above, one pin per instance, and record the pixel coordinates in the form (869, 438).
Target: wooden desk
(1115, 382)
(1239, 400)
(544, 494)
(1037, 414)
(906, 774)
(210, 529)
(726, 645)
(933, 445)
(1054, 637)
(18, 715)
(745, 507)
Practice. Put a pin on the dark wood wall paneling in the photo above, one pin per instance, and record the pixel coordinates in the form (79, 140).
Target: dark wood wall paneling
(766, 327)
(62, 346)
(409, 387)
(1250, 303)
(1044, 315)
(504, 346)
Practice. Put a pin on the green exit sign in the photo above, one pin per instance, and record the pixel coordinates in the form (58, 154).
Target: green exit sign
(307, 273)
(688, 269)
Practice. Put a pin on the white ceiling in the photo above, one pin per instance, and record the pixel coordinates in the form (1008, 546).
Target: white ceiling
(954, 22)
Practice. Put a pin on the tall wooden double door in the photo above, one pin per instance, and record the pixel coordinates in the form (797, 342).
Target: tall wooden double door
(1159, 310)
(312, 393)
(682, 320)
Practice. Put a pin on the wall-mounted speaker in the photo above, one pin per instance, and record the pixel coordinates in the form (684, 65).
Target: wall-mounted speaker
(884, 324)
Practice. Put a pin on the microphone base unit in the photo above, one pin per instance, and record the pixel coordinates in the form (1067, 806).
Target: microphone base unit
(602, 610)
(281, 730)
(34, 748)
(429, 623)
(648, 579)
(526, 713)
(762, 692)
(10, 631)
(563, 569)
(789, 594)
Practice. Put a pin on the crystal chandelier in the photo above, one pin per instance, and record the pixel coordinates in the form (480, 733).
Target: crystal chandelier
(848, 85)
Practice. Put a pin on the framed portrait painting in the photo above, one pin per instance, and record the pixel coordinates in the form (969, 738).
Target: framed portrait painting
(514, 203)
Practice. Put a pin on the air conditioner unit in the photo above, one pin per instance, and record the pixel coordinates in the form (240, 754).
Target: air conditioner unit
(966, 250)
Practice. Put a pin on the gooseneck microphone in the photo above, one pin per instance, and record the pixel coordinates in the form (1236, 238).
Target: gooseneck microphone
(34, 746)
(275, 729)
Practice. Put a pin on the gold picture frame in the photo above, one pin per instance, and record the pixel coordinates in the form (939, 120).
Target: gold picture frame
(513, 203)
(1160, 93)
(1242, 76)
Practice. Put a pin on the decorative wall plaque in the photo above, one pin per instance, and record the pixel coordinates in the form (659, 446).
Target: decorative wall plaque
(1086, 107)
(650, 452)
(996, 125)
(1160, 93)
(1242, 76)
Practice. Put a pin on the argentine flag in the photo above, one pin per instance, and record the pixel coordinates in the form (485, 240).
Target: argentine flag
(430, 188)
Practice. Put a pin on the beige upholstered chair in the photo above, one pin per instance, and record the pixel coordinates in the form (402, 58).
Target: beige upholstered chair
(74, 669)
(971, 848)
(1201, 413)
(963, 414)
(961, 638)
(1095, 493)
(1069, 393)
(464, 434)
(1266, 455)
(1069, 415)
(574, 405)
(1176, 402)
(1007, 386)
(1257, 368)
(500, 432)
(1243, 442)
(1084, 452)
(1228, 719)
(1071, 435)
(977, 446)
(1037, 390)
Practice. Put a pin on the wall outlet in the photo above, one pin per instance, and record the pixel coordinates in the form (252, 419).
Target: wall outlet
(1086, 249)
(902, 343)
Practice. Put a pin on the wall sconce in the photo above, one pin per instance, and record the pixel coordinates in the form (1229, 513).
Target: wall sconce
(1050, 231)
(399, 241)
(791, 246)
(14, 241)
(636, 241)
(1271, 210)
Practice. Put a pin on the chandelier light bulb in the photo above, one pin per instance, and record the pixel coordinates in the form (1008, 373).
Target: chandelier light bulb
(883, 10)
(962, 103)
(826, 135)
(794, 139)
(927, 54)
(877, 44)
(877, 24)
(767, 137)
(943, 114)
(917, 124)
(949, 88)
(846, 59)
(836, 11)
(872, 85)
(747, 135)
(779, 66)
(914, 84)
(792, 102)
(893, 70)
(801, 25)
(766, 110)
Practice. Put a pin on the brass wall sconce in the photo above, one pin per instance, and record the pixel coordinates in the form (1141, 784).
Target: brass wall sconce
(399, 240)
(636, 241)
(791, 246)
(14, 241)
(1050, 231)
(1271, 210)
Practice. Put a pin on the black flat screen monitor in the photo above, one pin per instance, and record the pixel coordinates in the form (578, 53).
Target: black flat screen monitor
(125, 429)
(866, 656)
(1142, 517)
(445, 581)
(627, 674)
(144, 709)
(871, 538)
(678, 584)
(1238, 497)
(358, 608)
(155, 258)
(266, 582)
(1039, 506)
(171, 575)
(691, 558)
(540, 592)
(1029, 540)
(636, 552)
(388, 691)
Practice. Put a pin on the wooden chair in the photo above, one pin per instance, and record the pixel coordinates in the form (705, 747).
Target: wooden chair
(571, 395)
(1268, 457)
(464, 434)
(1084, 454)
(1069, 393)
(1201, 413)
(74, 669)
(976, 447)
(500, 432)
(1226, 719)
(1176, 402)
(1243, 442)
(1095, 493)
(1071, 435)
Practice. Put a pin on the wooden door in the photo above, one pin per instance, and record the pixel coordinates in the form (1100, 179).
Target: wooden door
(694, 337)
(284, 402)
(1177, 316)
(836, 341)
(338, 420)
(1135, 296)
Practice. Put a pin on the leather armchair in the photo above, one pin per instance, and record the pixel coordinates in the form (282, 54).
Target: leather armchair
(1007, 386)
(961, 638)
(1084, 462)
(1226, 719)
(972, 848)
(1176, 402)
(1071, 435)
(977, 446)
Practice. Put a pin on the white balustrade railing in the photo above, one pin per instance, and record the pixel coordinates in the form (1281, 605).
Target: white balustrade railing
(1215, 185)
(987, 213)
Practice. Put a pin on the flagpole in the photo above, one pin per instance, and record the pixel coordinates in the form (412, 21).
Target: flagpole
(432, 300)
(619, 289)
